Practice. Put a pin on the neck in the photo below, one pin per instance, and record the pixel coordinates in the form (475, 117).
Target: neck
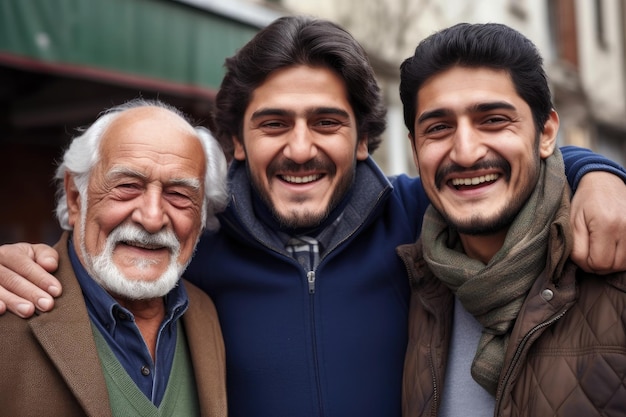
(149, 315)
(483, 248)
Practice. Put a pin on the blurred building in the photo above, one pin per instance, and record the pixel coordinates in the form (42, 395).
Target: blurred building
(583, 43)
(600, 27)
(64, 61)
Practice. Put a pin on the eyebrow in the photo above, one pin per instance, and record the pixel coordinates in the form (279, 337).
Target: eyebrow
(120, 171)
(315, 111)
(192, 183)
(477, 108)
(433, 114)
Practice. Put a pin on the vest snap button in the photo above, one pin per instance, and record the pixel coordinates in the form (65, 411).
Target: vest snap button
(547, 294)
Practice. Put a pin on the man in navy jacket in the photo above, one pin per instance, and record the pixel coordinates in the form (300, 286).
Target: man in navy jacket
(312, 298)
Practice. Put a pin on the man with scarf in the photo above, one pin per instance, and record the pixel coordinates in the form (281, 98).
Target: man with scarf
(501, 321)
(311, 296)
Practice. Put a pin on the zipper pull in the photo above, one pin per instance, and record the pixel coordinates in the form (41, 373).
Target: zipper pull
(310, 276)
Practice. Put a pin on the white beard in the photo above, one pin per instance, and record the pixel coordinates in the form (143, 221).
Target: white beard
(107, 274)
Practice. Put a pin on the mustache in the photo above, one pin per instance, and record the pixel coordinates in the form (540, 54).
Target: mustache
(452, 168)
(320, 163)
(136, 235)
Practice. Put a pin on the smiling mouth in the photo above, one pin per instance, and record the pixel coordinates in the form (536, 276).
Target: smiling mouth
(301, 180)
(474, 181)
(141, 245)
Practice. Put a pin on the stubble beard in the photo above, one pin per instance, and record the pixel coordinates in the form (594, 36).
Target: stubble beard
(478, 225)
(298, 219)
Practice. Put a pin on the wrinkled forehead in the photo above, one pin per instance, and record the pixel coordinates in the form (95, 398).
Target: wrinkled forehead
(148, 119)
(153, 136)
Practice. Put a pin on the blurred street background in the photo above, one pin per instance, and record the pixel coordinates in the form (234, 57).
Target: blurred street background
(64, 61)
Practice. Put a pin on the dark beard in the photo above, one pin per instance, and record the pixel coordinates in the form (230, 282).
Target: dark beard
(307, 220)
(476, 226)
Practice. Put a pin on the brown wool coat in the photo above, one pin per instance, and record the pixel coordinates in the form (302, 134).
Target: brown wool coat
(49, 364)
(566, 356)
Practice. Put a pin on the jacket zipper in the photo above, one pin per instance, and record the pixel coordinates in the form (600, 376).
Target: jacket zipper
(433, 370)
(518, 353)
(311, 287)
(310, 277)
(311, 280)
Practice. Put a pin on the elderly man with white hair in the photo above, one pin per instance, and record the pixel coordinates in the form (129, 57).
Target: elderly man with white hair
(128, 336)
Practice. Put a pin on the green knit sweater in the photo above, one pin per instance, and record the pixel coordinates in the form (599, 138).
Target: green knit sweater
(126, 398)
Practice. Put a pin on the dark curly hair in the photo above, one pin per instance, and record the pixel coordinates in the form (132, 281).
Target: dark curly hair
(491, 45)
(299, 40)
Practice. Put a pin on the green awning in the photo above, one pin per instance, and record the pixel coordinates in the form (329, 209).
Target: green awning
(131, 41)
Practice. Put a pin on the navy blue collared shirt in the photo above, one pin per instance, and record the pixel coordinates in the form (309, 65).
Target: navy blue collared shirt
(117, 325)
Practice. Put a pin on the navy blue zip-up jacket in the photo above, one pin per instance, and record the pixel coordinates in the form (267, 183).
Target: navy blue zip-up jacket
(329, 342)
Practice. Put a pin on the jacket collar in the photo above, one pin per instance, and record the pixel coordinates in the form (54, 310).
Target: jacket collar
(65, 335)
(371, 188)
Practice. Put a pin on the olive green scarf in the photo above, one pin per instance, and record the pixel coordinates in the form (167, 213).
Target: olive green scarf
(494, 293)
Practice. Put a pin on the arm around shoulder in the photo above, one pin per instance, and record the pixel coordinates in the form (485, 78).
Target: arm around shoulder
(599, 223)
(25, 279)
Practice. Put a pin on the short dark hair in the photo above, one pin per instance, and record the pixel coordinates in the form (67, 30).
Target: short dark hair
(490, 45)
(299, 40)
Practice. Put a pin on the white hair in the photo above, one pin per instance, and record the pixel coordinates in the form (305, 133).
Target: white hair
(83, 154)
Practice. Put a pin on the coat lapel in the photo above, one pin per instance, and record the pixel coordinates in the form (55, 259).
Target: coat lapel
(65, 335)
(206, 348)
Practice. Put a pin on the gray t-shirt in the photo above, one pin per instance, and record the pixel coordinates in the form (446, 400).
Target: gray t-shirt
(462, 396)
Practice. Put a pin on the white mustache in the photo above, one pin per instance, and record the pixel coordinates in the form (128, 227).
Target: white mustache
(136, 236)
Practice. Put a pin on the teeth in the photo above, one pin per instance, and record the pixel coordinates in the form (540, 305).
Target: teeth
(142, 245)
(475, 180)
(301, 180)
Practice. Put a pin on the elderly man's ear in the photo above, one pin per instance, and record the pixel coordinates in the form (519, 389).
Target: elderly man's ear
(72, 197)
